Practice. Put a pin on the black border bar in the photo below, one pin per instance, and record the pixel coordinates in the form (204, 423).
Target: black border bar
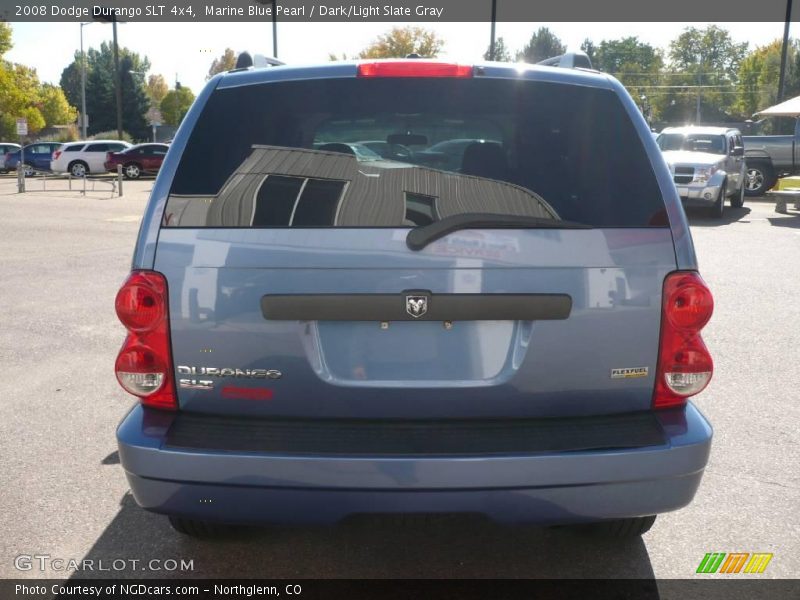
(376, 11)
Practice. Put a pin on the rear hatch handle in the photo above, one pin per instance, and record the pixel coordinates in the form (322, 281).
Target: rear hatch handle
(421, 236)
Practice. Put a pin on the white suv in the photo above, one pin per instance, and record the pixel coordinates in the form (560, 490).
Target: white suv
(80, 158)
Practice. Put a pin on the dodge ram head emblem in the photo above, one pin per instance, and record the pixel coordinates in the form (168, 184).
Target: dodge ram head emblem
(416, 306)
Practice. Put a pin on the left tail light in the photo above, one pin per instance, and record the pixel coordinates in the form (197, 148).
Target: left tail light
(144, 363)
(56, 154)
(685, 366)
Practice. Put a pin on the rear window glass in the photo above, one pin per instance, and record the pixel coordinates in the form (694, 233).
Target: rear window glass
(363, 152)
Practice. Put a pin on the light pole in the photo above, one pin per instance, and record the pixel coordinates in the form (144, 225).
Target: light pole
(117, 82)
(83, 85)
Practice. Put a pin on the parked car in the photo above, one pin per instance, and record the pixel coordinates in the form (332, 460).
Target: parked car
(707, 164)
(312, 336)
(82, 158)
(770, 157)
(4, 148)
(37, 157)
(137, 160)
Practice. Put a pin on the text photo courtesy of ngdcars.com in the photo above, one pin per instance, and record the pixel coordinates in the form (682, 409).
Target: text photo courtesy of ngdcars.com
(325, 301)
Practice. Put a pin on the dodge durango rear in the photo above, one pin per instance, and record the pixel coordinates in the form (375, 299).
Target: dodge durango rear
(418, 287)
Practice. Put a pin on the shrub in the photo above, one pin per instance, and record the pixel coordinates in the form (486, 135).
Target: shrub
(111, 135)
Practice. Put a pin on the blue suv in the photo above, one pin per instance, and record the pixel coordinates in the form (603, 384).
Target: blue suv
(316, 332)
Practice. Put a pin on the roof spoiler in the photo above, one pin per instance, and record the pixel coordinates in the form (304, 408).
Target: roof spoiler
(569, 60)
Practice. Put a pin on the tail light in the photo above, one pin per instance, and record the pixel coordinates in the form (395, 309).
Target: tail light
(684, 363)
(56, 154)
(144, 364)
(413, 68)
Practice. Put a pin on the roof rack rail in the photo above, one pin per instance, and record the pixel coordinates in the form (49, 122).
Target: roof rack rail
(259, 61)
(569, 60)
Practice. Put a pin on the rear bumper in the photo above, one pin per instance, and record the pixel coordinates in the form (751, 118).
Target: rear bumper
(559, 487)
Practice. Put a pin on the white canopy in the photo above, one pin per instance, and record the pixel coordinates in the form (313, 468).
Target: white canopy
(788, 108)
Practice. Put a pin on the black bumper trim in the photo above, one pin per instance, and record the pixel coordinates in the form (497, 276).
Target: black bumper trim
(423, 438)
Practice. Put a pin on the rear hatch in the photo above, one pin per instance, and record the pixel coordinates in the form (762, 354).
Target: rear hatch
(322, 263)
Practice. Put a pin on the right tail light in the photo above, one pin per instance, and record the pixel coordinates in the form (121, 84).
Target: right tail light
(684, 363)
(144, 365)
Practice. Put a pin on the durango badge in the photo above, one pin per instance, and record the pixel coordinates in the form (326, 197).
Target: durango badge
(416, 306)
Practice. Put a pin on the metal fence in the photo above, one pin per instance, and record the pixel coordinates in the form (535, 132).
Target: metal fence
(53, 182)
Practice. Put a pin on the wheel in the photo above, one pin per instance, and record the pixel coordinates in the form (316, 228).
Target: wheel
(621, 528)
(28, 170)
(719, 206)
(737, 200)
(78, 169)
(760, 177)
(132, 171)
(197, 528)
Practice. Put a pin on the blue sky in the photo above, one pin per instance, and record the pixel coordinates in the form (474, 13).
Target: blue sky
(185, 50)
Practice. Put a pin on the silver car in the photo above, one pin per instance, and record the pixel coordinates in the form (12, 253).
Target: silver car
(707, 165)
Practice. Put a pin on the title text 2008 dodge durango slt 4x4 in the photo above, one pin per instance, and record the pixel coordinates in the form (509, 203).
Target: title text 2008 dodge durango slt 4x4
(317, 330)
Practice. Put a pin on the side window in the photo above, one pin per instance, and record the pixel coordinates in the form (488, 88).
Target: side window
(739, 141)
(159, 151)
(731, 144)
(74, 148)
(115, 147)
(97, 148)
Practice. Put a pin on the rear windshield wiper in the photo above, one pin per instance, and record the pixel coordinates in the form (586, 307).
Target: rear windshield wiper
(421, 236)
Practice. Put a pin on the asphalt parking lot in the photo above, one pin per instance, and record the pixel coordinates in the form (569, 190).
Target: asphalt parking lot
(64, 493)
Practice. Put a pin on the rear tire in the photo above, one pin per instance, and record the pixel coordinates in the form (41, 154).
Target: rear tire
(759, 177)
(78, 168)
(132, 171)
(197, 528)
(621, 529)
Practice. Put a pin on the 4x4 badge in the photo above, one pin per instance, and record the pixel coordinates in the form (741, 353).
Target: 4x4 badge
(416, 306)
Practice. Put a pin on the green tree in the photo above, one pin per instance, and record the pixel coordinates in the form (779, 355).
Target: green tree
(705, 61)
(711, 48)
(135, 101)
(176, 104)
(226, 62)
(5, 38)
(70, 81)
(543, 44)
(54, 106)
(501, 53)
(402, 41)
(101, 103)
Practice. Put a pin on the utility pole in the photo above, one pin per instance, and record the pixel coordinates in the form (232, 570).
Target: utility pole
(274, 29)
(117, 82)
(83, 86)
(784, 47)
(494, 22)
